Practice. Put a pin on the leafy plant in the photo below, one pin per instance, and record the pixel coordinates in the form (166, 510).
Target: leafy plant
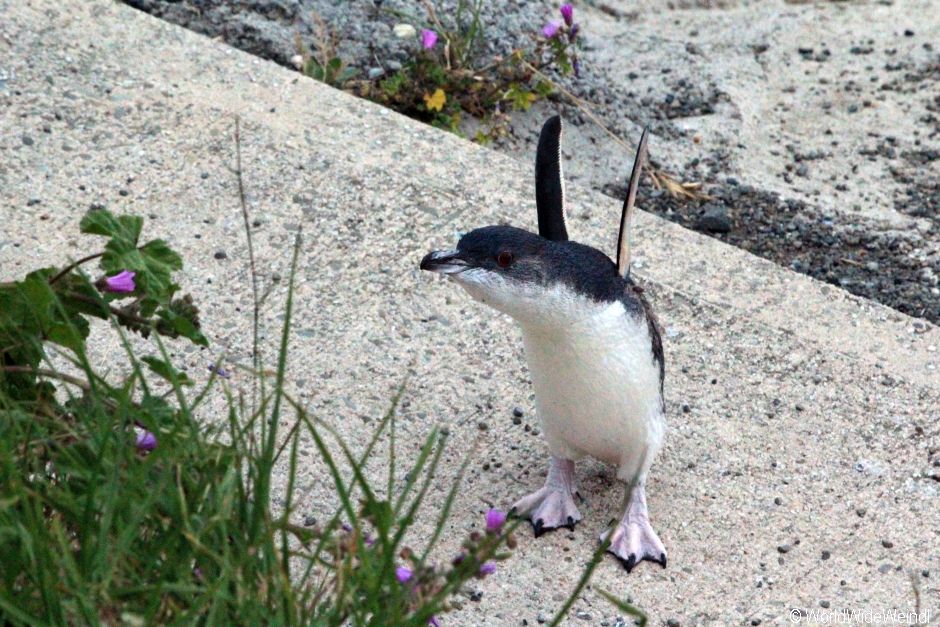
(323, 63)
(448, 77)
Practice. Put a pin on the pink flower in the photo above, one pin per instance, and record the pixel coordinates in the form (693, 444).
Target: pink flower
(488, 568)
(551, 29)
(567, 12)
(122, 283)
(403, 574)
(146, 441)
(495, 520)
(428, 39)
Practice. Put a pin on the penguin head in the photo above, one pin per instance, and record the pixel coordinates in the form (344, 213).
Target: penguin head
(538, 282)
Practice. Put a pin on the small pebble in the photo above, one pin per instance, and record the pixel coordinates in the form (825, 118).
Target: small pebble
(826, 555)
(221, 254)
(517, 412)
(784, 548)
(887, 544)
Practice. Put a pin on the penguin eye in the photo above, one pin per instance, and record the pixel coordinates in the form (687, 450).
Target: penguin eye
(504, 259)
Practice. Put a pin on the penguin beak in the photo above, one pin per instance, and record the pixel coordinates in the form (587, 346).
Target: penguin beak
(444, 262)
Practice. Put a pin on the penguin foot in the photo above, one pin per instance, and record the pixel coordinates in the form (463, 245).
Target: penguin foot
(548, 509)
(552, 506)
(633, 541)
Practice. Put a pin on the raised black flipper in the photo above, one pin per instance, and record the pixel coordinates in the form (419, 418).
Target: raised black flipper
(550, 182)
(623, 240)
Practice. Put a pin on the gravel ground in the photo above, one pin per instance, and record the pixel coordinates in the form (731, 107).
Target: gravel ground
(814, 129)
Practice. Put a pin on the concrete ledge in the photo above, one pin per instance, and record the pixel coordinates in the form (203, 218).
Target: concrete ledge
(800, 416)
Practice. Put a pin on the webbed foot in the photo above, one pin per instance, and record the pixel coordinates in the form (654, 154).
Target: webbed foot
(553, 505)
(633, 539)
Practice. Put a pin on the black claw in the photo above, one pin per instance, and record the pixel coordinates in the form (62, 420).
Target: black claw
(662, 559)
(578, 494)
(538, 527)
(570, 523)
(630, 562)
(513, 513)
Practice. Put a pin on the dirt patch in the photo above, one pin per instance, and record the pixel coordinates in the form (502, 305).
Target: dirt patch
(860, 258)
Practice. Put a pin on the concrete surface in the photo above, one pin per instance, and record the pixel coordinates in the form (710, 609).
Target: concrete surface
(803, 420)
(845, 89)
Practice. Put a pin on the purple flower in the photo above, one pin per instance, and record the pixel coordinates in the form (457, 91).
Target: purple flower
(122, 283)
(222, 372)
(403, 574)
(428, 39)
(146, 441)
(551, 29)
(488, 568)
(577, 67)
(433, 622)
(495, 520)
(567, 12)
(573, 33)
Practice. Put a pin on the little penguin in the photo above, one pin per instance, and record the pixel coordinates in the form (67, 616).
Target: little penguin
(592, 345)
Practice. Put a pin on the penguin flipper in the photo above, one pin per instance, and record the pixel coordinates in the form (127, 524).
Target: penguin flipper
(623, 239)
(550, 182)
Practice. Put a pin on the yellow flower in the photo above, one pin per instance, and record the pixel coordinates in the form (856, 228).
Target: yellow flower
(436, 101)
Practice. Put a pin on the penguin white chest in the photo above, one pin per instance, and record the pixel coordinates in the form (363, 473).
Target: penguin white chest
(597, 387)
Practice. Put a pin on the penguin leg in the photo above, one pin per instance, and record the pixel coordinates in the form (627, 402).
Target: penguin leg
(553, 505)
(633, 539)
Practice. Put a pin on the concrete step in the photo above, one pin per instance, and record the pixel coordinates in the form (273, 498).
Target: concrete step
(793, 405)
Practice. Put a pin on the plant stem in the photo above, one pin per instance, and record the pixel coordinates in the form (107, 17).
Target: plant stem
(71, 267)
(255, 354)
(114, 310)
(52, 374)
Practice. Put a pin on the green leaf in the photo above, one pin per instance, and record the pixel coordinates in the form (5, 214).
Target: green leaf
(347, 74)
(166, 371)
(544, 88)
(78, 295)
(70, 334)
(154, 263)
(173, 324)
(103, 222)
